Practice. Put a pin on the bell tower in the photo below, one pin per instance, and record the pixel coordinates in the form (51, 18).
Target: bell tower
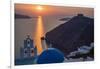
(29, 50)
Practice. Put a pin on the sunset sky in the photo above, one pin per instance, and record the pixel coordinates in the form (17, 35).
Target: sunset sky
(32, 10)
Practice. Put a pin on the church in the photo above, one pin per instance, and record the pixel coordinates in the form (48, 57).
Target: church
(29, 50)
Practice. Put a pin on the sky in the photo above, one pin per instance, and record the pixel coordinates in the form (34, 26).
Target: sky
(31, 10)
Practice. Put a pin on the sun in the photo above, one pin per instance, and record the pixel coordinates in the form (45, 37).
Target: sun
(39, 8)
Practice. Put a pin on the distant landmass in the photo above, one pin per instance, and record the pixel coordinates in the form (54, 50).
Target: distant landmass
(65, 19)
(21, 16)
(71, 35)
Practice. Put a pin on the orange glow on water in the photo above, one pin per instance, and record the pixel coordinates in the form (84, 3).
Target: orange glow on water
(38, 34)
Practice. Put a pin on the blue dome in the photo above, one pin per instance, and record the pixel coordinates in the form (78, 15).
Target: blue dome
(51, 55)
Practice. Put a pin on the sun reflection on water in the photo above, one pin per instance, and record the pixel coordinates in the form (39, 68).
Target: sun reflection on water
(38, 34)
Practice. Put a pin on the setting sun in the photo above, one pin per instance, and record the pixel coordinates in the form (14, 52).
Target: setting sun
(39, 8)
